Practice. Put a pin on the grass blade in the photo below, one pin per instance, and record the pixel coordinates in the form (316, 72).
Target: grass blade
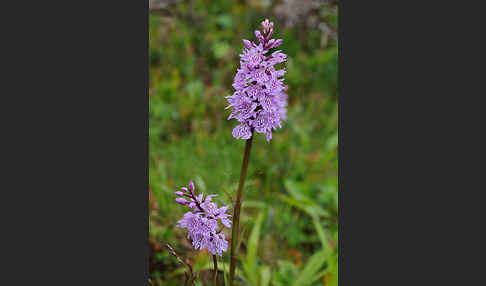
(250, 263)
(265, 274)
(309, 273)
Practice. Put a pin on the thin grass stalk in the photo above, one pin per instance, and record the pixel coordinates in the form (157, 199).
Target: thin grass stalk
(237, 209)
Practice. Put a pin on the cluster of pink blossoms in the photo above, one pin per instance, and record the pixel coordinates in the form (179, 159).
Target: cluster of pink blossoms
(202, 221)
(259, 102)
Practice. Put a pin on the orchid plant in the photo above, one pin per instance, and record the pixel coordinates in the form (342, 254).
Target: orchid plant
(259, 104)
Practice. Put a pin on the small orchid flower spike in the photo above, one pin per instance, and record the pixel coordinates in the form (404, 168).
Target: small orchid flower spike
(202, 221)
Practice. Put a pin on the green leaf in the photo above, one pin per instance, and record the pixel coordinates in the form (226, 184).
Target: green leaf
(253, 204)
(322, 235)
(297, 191)
(301, 200)
(250, 262)
(320, 274)
(285, 274)
(308, 275)
(310, 209)
(332, 142)
(265, 275)
(332, 269)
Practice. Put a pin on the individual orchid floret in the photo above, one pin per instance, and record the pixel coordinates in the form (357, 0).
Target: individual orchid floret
(260, 99)
(181, 201)
(202, 221)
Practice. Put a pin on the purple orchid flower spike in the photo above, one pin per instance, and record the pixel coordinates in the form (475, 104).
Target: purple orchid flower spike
(260, 99)
(202, 221)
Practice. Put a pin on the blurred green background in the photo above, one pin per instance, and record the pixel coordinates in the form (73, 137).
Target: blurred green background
(290, 215)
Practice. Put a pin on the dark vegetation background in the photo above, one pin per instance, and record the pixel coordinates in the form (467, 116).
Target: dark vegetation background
(290, 213)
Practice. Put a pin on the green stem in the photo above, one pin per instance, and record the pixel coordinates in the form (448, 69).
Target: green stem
(237, 208)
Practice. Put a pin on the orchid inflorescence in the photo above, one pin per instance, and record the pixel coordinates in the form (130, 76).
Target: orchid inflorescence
(202, 221)
(259, 102)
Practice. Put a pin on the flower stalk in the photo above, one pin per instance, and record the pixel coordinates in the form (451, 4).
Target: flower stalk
(215, 261)
(237, 209)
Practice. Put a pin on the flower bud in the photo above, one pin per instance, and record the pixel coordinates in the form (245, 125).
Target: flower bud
(266, 26)
(184, 189)
(270, 43)
(247, 44)
(277, 43)
(180, 194)
(259, 36)
(181, 201)
(268, 35)
(191, 186)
